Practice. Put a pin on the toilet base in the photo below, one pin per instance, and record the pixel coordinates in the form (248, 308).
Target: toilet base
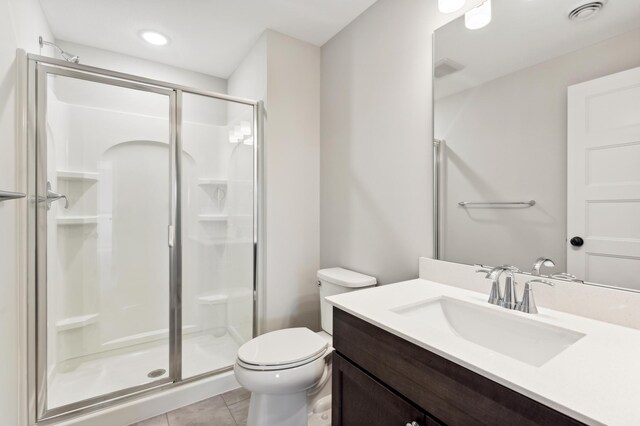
(278, 410)
(320, 414)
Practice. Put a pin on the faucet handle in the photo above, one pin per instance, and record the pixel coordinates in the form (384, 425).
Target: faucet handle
(538, 280)
(528, 303)
(539, 263)
(483, 268)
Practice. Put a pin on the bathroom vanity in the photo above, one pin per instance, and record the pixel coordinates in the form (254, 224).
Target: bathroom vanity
(423, 353)
(387, 380)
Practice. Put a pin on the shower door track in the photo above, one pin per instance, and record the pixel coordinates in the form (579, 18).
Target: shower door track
(38, 67)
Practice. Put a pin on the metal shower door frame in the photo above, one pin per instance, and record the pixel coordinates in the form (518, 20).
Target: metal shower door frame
(39, 68)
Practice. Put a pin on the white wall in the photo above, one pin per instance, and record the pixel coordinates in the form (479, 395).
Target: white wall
(376, 140)
(292, 178)
(285, 73)
(21, 22)
(523, 136)
(249, 80)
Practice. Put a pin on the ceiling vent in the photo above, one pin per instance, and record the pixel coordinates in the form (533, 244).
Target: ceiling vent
(586, 11)
(446, 67)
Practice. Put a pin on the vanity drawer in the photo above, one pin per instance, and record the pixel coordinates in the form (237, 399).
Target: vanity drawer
(445, 390)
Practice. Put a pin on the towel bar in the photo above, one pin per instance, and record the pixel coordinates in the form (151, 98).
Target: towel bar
(492, 203)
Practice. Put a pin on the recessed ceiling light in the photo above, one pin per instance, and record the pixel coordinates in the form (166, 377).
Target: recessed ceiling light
(154, 37)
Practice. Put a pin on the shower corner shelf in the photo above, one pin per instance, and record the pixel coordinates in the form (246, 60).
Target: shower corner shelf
(224, 242)
(212, 182)
(213, 218)
(224, 295)
(77, 220)
(78, 175)
(213, 299)
(76, 322)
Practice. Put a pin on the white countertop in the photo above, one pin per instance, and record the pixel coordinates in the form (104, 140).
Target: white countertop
(596, 380)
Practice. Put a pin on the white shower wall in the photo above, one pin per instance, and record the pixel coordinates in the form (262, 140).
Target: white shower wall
(95, 304)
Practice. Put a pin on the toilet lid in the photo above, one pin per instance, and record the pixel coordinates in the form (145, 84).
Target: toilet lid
(282, 347)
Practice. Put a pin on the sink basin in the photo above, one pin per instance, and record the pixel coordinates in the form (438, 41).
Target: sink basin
(507, 333)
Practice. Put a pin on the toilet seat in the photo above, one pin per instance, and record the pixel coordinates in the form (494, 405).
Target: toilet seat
(282, 349)
(257, 367)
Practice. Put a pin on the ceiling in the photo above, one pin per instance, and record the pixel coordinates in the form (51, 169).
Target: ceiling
(209, 36)
(523, 33)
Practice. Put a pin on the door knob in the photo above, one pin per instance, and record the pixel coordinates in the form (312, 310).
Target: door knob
(413, 424)
(577, 242)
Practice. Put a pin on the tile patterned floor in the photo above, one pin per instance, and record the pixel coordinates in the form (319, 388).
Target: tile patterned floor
(228, 409)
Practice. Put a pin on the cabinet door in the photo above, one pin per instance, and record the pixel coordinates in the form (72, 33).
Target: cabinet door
(359, 399)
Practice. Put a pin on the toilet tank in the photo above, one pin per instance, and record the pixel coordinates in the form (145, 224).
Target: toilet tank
(337, 281)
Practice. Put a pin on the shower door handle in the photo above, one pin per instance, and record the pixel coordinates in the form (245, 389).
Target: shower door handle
(54, 196)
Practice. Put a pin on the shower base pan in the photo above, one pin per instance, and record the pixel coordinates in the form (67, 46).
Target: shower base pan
(91, 376)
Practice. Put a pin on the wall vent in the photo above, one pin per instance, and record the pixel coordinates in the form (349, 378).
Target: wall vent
(446, 67)
(586, 11)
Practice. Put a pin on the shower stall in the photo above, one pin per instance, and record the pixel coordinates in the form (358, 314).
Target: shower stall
(143, 234)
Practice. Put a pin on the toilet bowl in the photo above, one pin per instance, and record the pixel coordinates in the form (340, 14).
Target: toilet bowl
(279, 369)
(287, 371)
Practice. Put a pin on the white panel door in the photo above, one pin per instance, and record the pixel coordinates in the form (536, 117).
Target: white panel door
(604, 180)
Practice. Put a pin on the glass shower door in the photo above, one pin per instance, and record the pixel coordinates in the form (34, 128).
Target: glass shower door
(105, 205)
(217, 208)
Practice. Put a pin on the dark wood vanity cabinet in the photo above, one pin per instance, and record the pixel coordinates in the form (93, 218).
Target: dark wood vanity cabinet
(359, 399)
(382, 379)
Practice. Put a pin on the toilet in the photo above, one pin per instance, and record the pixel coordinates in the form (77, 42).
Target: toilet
(287, 371)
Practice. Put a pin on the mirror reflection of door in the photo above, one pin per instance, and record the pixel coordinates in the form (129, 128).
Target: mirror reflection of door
(603, 193)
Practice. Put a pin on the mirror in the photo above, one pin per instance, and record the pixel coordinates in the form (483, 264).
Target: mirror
(539, 117)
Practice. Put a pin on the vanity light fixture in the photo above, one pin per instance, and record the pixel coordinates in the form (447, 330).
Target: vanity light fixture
(450, 6)
(154, 37)
(478, 17)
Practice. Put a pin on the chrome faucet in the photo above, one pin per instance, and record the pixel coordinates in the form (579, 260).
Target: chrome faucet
(539, 263)
(495, 297)
(528, 304)
(507, 299)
